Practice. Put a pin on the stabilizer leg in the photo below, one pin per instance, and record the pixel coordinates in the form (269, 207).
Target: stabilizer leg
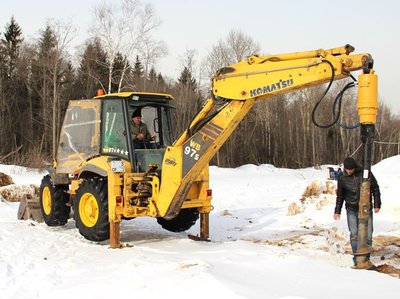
(204, 229)
(115, 234)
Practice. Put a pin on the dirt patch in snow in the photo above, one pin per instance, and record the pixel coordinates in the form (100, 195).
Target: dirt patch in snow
(317, 193)
(16, 192)
(385, 250)
(5, 180)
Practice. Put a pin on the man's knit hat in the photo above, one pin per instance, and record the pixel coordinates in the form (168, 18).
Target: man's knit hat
(349, 163)
(136, 113)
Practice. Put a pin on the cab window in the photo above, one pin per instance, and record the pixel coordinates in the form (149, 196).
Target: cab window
(113, 129)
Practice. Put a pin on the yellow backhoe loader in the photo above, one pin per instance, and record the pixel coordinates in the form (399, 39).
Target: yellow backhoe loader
(105, 176)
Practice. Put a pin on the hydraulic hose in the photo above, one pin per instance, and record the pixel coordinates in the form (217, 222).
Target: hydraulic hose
(322, 97)
(337, 102)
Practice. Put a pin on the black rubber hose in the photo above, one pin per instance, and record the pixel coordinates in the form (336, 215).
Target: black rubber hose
(322, 97)
(338, 100)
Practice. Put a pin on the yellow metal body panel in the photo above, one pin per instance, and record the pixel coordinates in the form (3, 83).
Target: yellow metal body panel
(183, 164)
(275, 76)
(120, 185)
(115, 184)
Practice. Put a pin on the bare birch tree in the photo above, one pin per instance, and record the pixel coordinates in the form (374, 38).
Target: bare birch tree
(150, 51)
(187, 103)
(123, 27)
(234, 48)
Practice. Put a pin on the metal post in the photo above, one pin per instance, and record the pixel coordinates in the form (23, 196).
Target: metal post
(115, 234)
(204, 226)
(364, 210)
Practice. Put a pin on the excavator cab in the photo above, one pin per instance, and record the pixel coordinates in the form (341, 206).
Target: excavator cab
(102, 126)
(116, 129)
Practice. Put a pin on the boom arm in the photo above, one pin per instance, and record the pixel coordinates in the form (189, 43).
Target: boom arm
(267, 76)
(237, 87)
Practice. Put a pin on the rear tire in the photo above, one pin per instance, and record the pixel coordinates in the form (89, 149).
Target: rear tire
(53, 202)
(91, 209)
(182, 222)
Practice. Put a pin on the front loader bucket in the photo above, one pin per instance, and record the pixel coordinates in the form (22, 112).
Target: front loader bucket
(29, 208)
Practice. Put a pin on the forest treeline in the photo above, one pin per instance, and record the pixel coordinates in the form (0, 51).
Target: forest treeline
(37, 78)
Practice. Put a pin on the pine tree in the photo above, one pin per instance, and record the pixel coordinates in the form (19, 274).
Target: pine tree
(118, 68)
(187, 103)
(13, 39)
(43, 87)
(3, 122)
(152, 75)
(187, 80)
(14, 91)
(121, 71)
(160, 79)
(67, 82)
(2, 96)
(161, 84)
(138, 73)
(92, 71)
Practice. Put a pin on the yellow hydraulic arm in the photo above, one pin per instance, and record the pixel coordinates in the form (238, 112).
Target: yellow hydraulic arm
(263, 77)
(234, 90)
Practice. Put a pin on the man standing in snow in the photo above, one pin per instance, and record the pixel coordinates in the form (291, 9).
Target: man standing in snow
(348, 190)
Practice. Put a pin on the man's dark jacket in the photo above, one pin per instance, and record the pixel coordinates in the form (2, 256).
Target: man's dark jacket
(140, 129)
(348, 190)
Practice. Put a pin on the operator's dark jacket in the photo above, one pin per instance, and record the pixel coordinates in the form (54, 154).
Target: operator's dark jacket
(348, 191)
(140, 129)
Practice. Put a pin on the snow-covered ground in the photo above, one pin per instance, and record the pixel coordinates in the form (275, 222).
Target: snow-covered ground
(257, 250)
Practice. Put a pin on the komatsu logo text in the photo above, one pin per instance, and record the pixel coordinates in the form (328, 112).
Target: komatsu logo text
(272, 87)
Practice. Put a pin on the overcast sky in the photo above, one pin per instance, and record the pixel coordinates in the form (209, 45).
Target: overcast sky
(278, 26)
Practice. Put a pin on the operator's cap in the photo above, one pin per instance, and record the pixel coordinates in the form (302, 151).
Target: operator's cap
(136, 113)
(349, 163)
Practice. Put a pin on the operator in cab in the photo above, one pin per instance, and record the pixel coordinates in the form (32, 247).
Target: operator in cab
(140, 133)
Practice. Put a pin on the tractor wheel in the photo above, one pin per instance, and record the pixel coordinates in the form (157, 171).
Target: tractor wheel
(91, 209)
(53, 202)
(183, 221)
